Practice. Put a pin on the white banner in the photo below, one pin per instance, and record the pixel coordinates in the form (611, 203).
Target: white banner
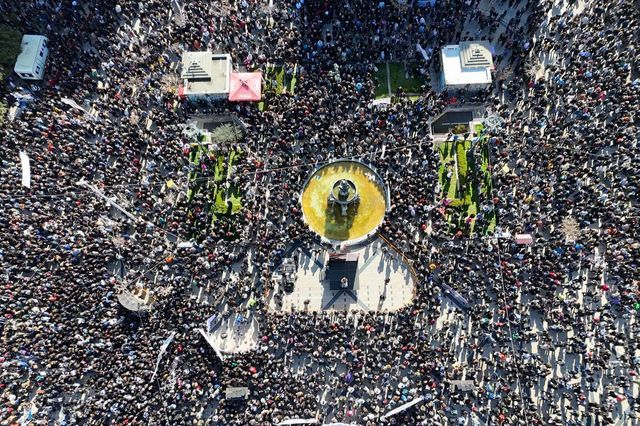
(26, 169)
(340, 424)
(464, 385)
(22, 96)
(72, 104)
(163, 349)
(381, 101)
(298, 422)
(403, 407)
(422, 52)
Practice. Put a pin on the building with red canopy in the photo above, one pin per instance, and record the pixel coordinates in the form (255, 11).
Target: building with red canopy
(245, 86)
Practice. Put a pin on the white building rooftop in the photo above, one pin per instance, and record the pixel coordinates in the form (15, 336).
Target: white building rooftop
(205, 74)
(466, 64)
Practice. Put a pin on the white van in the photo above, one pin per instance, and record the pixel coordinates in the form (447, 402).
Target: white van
(30, 62)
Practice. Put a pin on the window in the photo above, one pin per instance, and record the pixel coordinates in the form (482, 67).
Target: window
(38, 69)
(42, 53)
(27, 74)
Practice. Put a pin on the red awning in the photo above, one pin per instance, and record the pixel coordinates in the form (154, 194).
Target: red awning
(245, 86)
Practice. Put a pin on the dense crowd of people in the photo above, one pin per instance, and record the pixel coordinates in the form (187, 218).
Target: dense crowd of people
(549, 337)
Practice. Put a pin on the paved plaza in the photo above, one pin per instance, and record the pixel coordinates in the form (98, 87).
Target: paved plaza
(377, 263)
(235, 335)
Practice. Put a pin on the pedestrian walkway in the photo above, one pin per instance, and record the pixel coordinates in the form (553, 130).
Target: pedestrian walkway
(377, 264)
(236, 335)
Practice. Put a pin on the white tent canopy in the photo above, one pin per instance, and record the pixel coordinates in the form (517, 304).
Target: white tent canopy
(456, 75)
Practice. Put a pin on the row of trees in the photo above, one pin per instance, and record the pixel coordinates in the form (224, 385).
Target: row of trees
(10, 41)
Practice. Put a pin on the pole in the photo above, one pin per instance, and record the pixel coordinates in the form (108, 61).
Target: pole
(158, 383)
(102, 195)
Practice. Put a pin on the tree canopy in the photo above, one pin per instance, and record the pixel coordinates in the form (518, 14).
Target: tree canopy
(10, 41)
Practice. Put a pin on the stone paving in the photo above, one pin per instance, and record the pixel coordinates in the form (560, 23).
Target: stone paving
(236, 336)
(377, 263)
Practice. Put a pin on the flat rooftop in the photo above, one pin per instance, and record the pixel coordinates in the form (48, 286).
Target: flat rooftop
(205, 73)
(457, 75)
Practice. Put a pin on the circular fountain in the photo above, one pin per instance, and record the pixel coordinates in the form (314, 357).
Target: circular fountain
(344, 201)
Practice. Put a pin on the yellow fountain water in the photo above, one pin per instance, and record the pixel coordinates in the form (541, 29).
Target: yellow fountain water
(360, 219)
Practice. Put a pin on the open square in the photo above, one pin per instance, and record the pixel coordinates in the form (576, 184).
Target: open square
(383, 283)
(322, 212)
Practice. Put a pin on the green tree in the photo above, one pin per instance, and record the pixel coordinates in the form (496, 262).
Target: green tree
(460, 129)
(461, 153)
(3, 111)
(226, 134)
(10, 47)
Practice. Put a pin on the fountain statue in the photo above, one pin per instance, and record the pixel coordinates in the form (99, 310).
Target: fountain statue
(344, 194)
(343, 189)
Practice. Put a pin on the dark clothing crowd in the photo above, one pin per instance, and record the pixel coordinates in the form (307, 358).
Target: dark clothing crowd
(549, 335)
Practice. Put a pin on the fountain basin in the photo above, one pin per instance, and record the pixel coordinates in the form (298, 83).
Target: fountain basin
(344, 201)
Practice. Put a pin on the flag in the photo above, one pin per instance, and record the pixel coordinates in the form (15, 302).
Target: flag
(174, 366)
(211, 322)
(62, 417)
(26, 417)
(423, 52)
(348, 378)
(163, 349)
